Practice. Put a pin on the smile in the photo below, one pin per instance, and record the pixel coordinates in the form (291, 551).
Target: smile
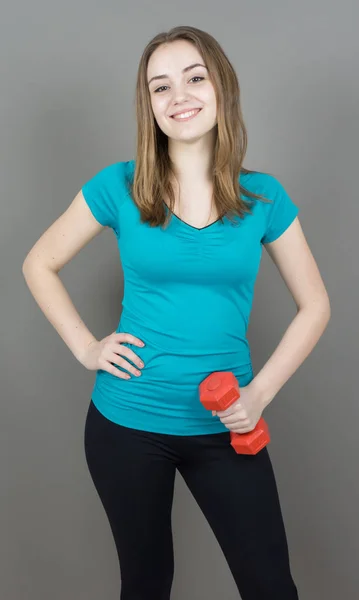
(187, 116)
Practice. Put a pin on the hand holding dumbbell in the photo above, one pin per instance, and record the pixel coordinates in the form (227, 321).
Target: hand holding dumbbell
(217, 392)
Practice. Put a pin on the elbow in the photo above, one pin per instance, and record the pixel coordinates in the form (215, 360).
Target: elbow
(318, 305)
(27, 264)
(323, 310)
(325, 307)
(32, 264)
(24, 264)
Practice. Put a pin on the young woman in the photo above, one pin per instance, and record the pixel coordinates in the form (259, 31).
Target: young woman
(190, 222)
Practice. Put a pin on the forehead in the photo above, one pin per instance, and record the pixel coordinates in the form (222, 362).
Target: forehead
(173, 57)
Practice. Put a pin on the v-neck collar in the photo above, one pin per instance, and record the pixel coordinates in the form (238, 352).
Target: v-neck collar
(188, 224)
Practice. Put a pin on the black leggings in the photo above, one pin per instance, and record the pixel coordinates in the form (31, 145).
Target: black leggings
(134, 474)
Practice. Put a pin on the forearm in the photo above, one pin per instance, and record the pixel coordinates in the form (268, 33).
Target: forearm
(57, 306)
(298, 341)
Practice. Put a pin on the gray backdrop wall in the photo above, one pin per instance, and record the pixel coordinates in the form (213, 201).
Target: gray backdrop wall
(68, 73)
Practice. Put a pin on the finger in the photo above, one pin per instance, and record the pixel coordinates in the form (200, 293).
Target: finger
(242, 429)
(237, 415)
(121, 362)
(231, 410)
(120, 349)
(106, 366)
(233, 419)
(128, 337)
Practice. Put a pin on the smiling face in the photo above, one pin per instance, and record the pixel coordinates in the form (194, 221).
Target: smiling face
(177, 89)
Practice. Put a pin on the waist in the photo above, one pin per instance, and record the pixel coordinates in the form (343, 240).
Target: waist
(182, 339)
(183, 368)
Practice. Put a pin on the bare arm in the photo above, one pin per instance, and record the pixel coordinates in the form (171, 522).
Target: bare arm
(299, 271)
(55, 248)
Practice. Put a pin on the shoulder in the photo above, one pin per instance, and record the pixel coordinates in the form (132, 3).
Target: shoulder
(111, 179)
(261, 183)
(114, 171)
(106, 191)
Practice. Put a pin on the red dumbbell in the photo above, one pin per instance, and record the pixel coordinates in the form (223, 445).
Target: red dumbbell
(218, 391)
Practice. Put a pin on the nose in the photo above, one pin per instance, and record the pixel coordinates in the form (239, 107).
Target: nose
(179, 94)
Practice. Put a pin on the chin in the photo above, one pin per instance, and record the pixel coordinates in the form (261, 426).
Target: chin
(190, 133)
(190, 138)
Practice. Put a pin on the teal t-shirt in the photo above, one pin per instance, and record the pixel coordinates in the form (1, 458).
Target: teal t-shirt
(188, 295)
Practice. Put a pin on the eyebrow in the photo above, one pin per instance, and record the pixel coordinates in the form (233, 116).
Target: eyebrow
(183, 71)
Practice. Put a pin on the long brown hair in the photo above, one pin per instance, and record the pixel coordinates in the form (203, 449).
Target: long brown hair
(153, 166)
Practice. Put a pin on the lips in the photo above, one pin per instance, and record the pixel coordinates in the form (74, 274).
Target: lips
(185, 111)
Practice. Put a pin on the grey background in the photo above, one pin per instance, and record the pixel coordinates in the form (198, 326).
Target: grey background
(68, 74)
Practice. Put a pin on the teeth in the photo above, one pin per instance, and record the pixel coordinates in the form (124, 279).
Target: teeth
(186, 115)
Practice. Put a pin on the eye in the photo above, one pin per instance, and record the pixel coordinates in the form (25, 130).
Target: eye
(160, 88)
(163, 86)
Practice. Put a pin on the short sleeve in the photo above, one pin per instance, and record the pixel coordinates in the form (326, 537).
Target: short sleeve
(102, 194)
(280, 213)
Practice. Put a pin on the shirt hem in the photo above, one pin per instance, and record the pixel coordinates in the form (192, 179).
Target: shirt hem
(124, 421)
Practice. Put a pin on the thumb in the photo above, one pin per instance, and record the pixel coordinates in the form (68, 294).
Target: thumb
(214, 413)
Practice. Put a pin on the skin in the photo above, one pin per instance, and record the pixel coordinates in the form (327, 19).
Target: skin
(190, 144)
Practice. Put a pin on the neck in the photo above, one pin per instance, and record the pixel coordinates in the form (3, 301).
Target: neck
(193, 161)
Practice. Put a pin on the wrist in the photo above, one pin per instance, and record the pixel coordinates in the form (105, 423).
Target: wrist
(261, 392)
(84, 349)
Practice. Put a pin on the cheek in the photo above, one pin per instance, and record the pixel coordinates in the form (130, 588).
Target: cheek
(209, 98)
(211, 103)
(159, 107)
(212, 98)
